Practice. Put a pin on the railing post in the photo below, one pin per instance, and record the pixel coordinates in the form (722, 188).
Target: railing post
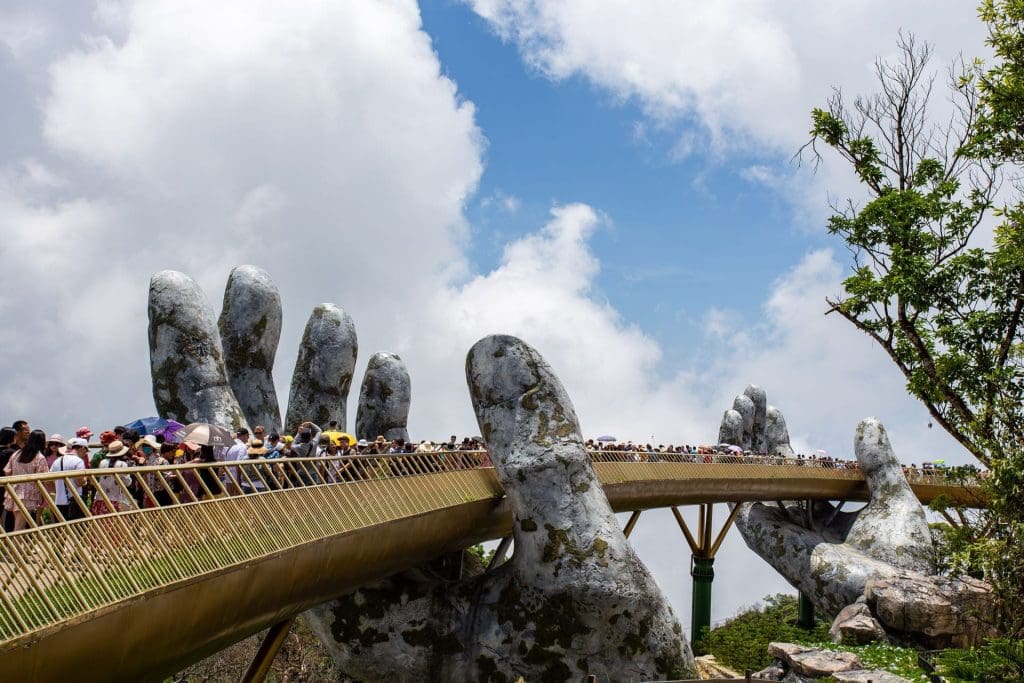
(703, 573)
(805, 612)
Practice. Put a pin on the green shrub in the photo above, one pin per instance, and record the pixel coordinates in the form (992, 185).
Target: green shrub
(742, 642)
(994, 662)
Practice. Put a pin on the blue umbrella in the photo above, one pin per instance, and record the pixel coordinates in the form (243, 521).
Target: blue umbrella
(606, 437)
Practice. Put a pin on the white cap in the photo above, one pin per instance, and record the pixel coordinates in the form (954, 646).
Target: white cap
(75, 442)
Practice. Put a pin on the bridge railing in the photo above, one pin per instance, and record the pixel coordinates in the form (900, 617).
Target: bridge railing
(177, 522)
(219, 514)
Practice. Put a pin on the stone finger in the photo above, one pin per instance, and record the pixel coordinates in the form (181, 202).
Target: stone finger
(731, 429)
(776, 434)
(745, 407)
(892, 527)
(186, 359)
(323, 369)
(560, 511)
(757, 395)
(384, 399)
(250, 329)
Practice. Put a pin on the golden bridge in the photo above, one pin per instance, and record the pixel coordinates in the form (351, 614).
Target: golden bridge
(97, 597)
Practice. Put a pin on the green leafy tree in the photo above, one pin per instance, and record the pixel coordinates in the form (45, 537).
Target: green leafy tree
(944, 301)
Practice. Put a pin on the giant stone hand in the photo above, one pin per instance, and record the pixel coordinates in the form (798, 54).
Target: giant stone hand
(573, 599)
(882, 553)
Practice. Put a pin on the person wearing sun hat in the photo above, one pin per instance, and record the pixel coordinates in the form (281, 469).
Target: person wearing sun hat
(148, 454)
(55, 447)
(116, 458)
(255, 451)
(72, 460)
(83, 432)
(106, 438)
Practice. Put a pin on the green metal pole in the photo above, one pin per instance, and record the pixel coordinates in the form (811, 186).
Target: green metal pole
(703, 574)
(805, 612)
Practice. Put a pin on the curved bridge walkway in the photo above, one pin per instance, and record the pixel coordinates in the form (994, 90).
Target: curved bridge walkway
(142, 593)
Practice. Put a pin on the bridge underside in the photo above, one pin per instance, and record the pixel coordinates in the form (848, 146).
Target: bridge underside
(193, 618)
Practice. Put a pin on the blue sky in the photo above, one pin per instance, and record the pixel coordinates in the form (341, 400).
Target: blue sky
(611, 181)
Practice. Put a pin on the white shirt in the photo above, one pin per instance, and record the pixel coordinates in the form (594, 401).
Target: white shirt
(109, 483)
(66, 463)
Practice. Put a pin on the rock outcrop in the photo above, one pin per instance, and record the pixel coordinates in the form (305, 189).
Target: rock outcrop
(855, 625)
(323, 369)
(190, 383)
(572, 600)
(384, 399)
(250, 329)
(800, 664)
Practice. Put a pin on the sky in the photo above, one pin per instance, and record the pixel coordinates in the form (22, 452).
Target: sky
(612, 181)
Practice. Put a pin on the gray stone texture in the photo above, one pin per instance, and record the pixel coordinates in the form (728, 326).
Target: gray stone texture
(757, 396)
(384, 399)
(855, 625)
(745, 407)
(186, 362)
(776, 434)
(731, 430)
(833, 572)
(813, 662)
(323, 369)
(867, 676)
(933, 611)
(573, 599)
(250, 329)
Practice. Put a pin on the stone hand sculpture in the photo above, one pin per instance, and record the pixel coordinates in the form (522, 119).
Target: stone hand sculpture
(222, 373)
(881, 555)
(572, 600)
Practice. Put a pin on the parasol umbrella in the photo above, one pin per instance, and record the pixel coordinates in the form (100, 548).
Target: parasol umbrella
(606, 438)
(146, 425)
(172, 432)
(337, 436)
(206, 434)
(821, 451)
(734, 449)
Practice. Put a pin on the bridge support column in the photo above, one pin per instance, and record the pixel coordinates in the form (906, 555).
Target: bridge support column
(703, 546)
(702, 570)
(273, 641)
(805, 612)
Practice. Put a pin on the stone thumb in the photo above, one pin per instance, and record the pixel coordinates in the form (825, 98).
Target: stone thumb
(561, 516)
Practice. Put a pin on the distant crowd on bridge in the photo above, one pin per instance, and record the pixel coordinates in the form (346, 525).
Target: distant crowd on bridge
(26, 451)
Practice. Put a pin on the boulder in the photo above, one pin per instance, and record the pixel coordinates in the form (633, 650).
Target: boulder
(933, 611)
(384, 399)
(190, 383)
(855, 625)
(867, 676)
(323, 369)
(250, 329)
(813, 662)
(773, 672)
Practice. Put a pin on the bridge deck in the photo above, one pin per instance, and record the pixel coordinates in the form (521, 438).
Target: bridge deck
(202, 574)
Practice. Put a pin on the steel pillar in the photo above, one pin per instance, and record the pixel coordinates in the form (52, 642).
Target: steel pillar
(272, 642)
(805, 612)
(702, 570)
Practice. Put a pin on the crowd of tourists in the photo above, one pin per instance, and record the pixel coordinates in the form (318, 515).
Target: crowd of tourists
(24, 450)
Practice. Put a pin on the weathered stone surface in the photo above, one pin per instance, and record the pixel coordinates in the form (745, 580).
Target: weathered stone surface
(572, 600)
(773, 672)
(892, 528)
(933, 611)
(868, 675)
(731, 431)
(323, 369)
(794, 677)
(745, 407)
(186, 360)
(855, 625)
(760, 400)
(250, 329)
(831, 563)
(813, 662)
(384, 399)
(776, 434)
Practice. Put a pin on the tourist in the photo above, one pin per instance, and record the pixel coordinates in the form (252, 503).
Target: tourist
(54, 449)
(209, 482)
(73, 460)
(83, 433)
(114, 488)
(106, 438)
(252, 478)
(29, 459)
(306, 440)
(21, 432)
(151, 454)
(7, 448)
